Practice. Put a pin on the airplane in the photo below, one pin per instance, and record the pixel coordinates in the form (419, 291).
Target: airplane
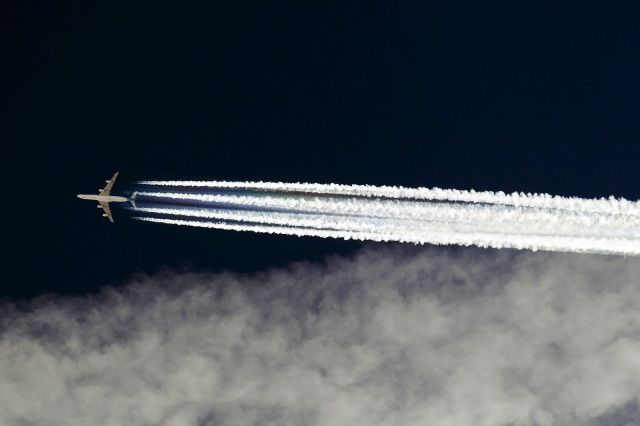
(104, 197)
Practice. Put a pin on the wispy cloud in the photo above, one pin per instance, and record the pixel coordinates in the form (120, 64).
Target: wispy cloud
(391, 336)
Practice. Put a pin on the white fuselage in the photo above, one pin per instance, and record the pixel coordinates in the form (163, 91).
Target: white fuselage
(103, 198)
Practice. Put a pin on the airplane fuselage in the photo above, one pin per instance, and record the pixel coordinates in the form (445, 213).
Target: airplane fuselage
(103, 198)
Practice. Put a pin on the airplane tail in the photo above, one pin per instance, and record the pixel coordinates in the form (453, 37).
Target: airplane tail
(132, 200)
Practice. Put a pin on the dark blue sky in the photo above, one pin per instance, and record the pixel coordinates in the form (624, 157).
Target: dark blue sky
(527, 96)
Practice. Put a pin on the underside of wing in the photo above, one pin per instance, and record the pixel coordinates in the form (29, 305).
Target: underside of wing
(107, 211)
(107, 189)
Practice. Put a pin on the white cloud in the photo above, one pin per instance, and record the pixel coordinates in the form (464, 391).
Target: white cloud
(398, 336)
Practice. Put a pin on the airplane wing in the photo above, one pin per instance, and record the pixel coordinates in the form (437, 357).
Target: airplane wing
(107, 189)
(107, 210)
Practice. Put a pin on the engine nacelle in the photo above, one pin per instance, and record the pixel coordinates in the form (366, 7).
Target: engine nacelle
(108, 181)
(104, 215)
(99, 206)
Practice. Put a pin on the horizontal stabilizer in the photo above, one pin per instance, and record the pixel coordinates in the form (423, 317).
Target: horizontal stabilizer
(132, 200)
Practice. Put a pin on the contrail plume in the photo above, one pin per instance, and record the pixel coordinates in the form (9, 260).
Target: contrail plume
(591, 226)
(604, 205)
(404, 208)
(270, 229)
(463, 220)
(546, 220)
(498, 240)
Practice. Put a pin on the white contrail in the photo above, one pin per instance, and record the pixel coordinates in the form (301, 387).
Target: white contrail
(532, 242)
(389, 226)
(308, 220)
(603, 205)
(419, 215)
(546, 220)
(466, 219)
(271, 229)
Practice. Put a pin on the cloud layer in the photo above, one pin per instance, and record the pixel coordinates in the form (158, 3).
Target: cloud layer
(400, 336)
